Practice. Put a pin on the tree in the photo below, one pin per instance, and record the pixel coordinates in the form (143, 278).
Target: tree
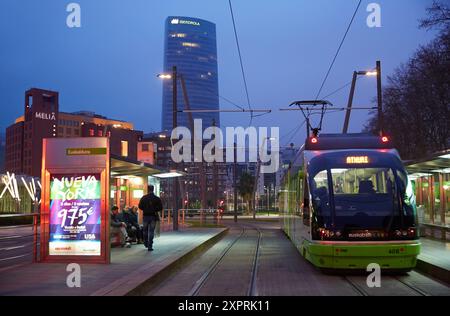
(416, 99)
(438, 16)
(245, 189)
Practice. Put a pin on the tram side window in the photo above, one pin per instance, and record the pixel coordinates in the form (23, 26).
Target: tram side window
(320, 194)
(306, 211)
(407, 196)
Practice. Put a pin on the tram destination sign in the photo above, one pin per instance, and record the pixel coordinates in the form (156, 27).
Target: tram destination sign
(357, 160)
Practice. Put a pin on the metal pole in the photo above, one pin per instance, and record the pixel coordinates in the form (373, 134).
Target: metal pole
(35, 238)
(174, 125)
(380, 100)
(350, 103)
(307, 127)
(255, 185)
(235, 182)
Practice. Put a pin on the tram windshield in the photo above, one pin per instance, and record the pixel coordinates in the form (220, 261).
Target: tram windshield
(361, 197)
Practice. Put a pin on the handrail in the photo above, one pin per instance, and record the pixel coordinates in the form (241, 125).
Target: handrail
(18, 215)
(436, 226)
(35, 230)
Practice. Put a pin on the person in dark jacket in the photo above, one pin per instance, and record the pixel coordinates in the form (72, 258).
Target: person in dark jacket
(150, 205)
(119, 227)
(126, 217)
(133, 227)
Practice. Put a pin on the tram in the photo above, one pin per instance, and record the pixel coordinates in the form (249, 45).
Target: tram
(346, 202)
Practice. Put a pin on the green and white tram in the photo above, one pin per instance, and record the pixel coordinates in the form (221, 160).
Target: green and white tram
(346, 202)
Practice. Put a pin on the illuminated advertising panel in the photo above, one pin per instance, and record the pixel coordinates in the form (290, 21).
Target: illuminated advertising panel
(75, 215)
(75, 200)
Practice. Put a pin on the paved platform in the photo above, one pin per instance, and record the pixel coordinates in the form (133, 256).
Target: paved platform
(434, 259)
(131, 270)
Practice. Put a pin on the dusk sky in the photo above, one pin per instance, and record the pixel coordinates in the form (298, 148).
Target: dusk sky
(109, 65)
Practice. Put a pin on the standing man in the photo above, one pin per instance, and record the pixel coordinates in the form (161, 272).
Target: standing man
(150, 205)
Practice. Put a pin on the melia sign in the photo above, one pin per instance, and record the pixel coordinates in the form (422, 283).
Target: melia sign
(46, 116)
(75, 195)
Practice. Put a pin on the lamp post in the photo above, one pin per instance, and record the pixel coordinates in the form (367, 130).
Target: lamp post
(380, 100)
(258, 168)
(235, 202)
(173, 76)
(352, 94)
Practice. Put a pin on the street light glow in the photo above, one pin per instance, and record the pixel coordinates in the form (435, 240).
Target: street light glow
(165, 175)
(371, 73)
(164, 76)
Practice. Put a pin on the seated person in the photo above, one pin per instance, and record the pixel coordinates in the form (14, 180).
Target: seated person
(119, 227)
(130, 217)
(133, 221)
(366, 187)
(320, 201)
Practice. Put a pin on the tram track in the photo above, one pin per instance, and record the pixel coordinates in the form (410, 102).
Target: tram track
(355, 286)
(252, 287)
(245, 264)
(200, 283)
(392, 279)
(253, 290)
(410, 286)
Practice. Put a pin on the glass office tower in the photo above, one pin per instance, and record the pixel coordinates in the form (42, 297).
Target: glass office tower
(190, 45)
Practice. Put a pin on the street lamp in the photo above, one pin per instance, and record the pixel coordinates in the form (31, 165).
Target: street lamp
(173, 76)
(368, 73)
(258, 168)
(164, 76)
(267, 189)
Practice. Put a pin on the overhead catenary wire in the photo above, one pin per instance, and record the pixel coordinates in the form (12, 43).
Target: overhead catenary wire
(333, 62)
(338, 50)
(295, 133)
(338, 89)
(240, 60)
(263, 111)
(205, 88)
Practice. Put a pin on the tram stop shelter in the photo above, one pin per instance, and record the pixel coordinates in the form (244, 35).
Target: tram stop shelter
(431, 180)
(81, 180)
(130, 179)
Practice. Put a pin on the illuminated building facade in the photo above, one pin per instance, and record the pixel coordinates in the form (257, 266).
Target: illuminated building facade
(190, 45)
(199, 188)
(43, 119)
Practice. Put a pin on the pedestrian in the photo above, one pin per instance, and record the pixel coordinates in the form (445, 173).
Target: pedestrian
(150, 205)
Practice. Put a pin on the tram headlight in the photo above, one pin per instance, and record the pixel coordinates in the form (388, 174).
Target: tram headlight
(325, 233)
(411, 232)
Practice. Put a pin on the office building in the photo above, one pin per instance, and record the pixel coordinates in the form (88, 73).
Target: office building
(42, 119)
(190, 45)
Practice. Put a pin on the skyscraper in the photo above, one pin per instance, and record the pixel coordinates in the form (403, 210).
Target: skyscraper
(190, 45)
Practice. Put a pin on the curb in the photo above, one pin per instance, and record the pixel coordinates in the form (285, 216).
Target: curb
(145, 284)
(435, 271)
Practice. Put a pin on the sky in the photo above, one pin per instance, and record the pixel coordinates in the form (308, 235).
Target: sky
(109, 65)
